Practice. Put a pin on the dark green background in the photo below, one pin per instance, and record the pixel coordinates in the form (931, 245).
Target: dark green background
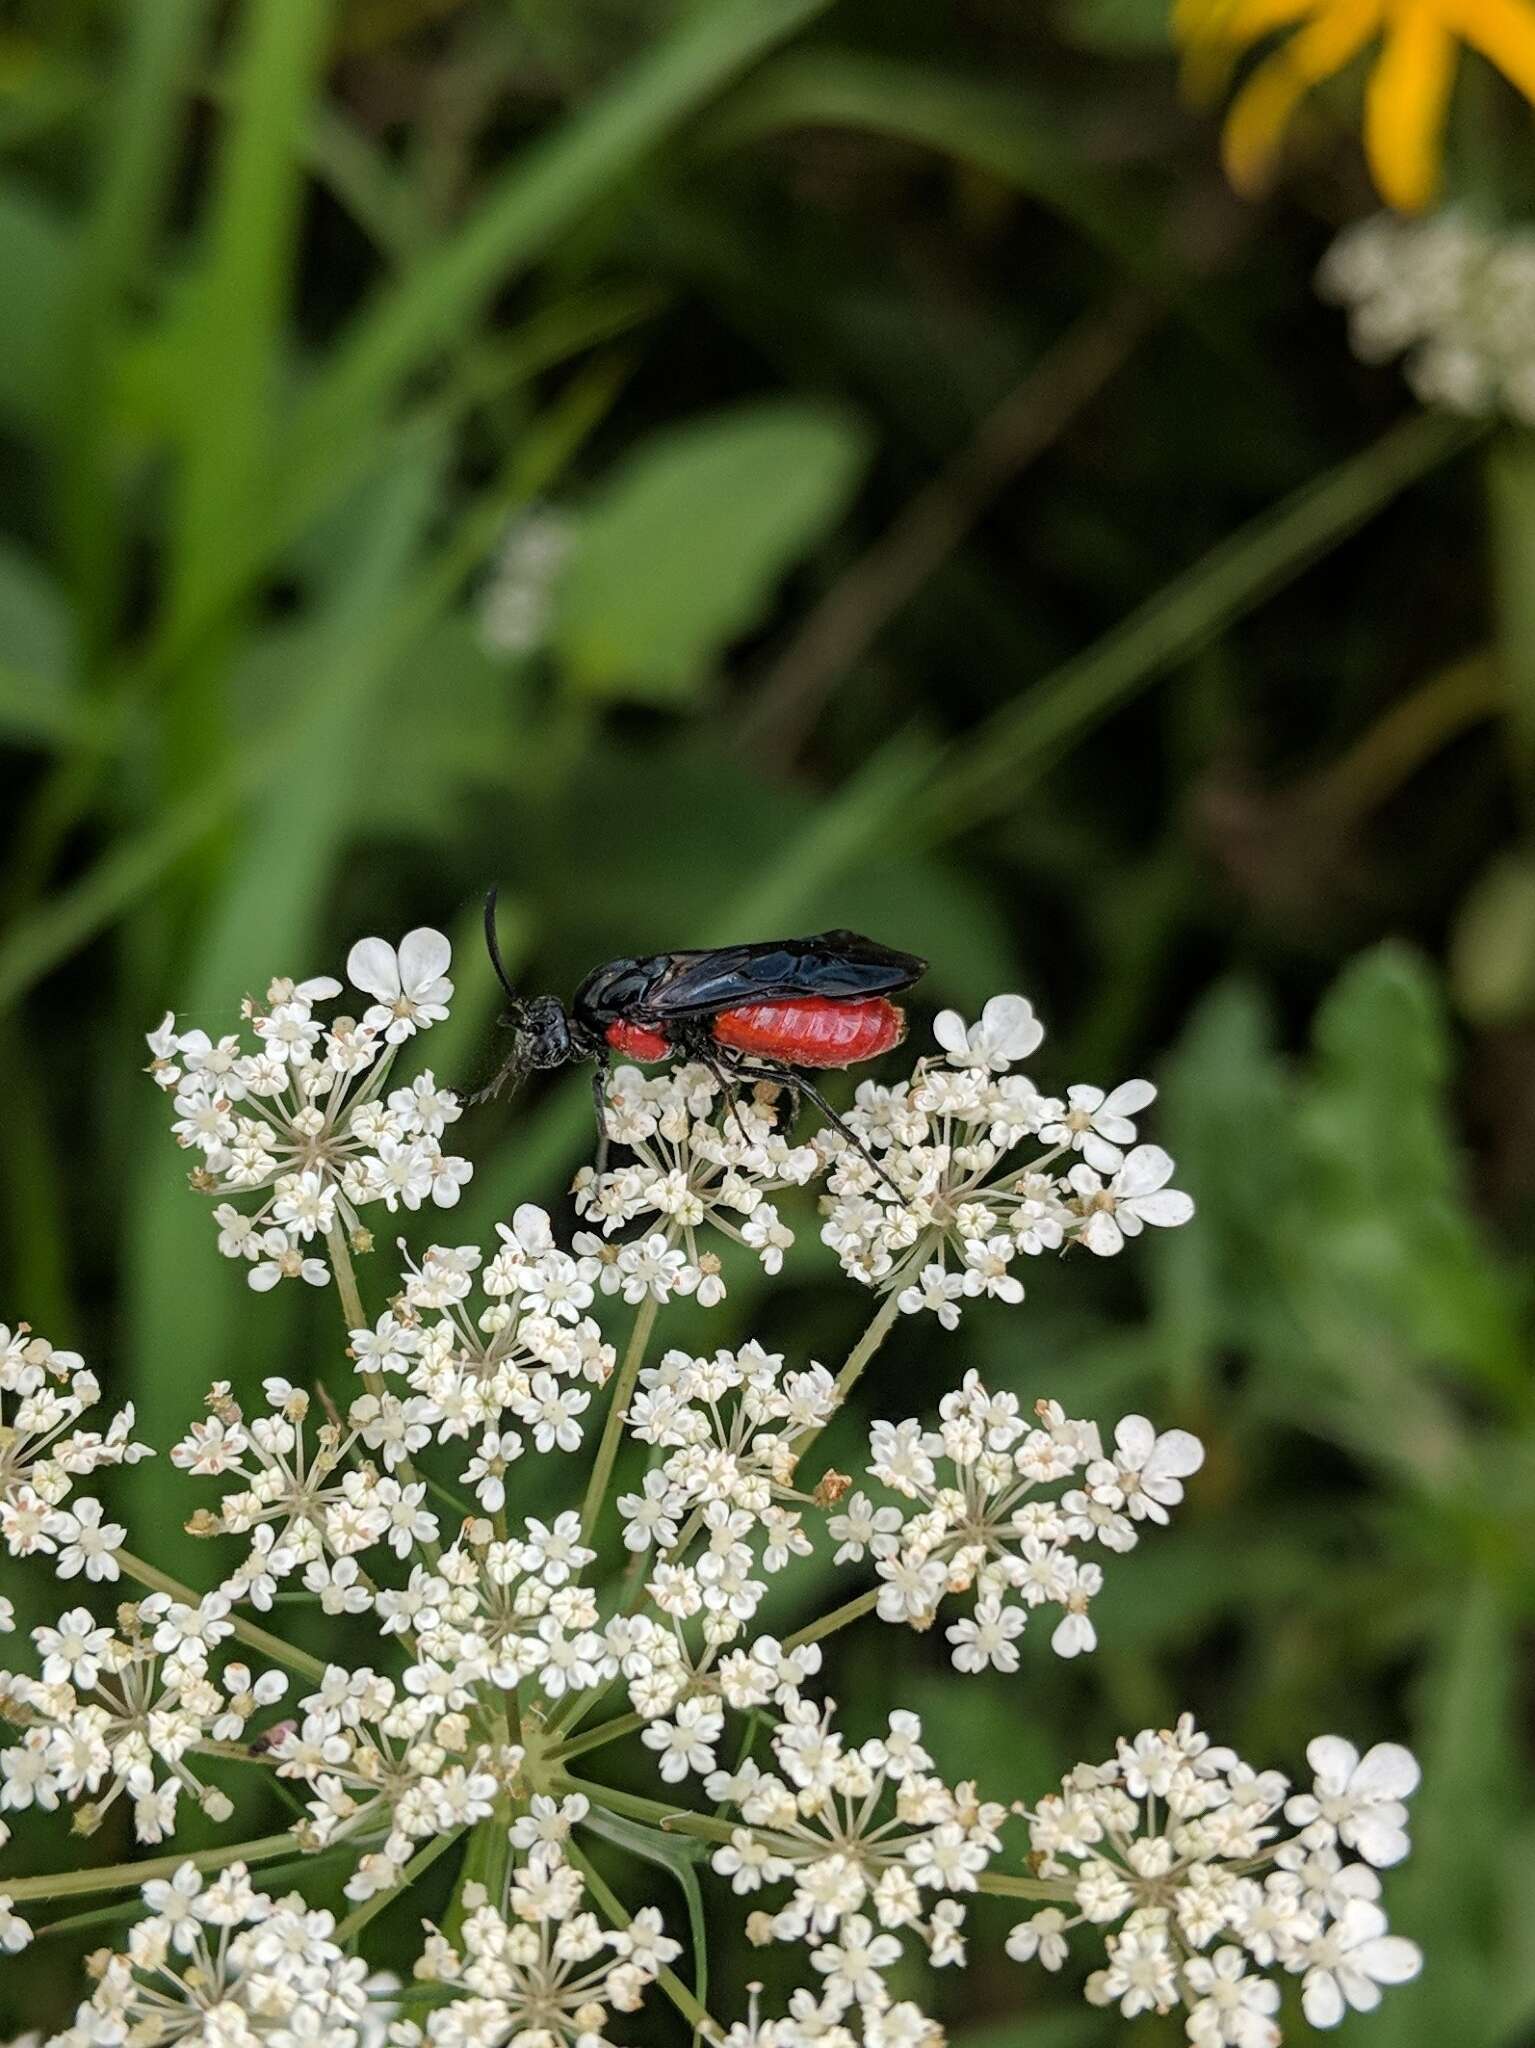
(988, 542)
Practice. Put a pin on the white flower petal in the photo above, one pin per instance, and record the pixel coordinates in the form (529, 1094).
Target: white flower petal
(1134, 1438)
(425, 956)
(1166, 1210)
(1130, 1098)
(1333, 1761)
(1147, 1169)
(1388, 1771)
(1012, 1031)
(1101, 1234)
(949, 1030)
(1177, 1454)
(1321, 2000)
(373, 966)
(1390, 1960)
(1376, 1832)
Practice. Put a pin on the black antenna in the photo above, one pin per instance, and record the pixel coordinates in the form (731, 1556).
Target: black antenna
(493, 947)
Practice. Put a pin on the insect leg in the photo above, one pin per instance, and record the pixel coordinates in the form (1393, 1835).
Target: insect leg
(791, 1077)
(512, 1069)
(600, 1106)
(706, 1051)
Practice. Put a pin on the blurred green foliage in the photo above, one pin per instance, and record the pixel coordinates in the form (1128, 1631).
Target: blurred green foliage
(980, 537)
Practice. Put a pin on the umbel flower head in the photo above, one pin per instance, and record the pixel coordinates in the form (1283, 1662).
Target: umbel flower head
(302, 1117)
(1417, 50)
(979, 1171)
(529, 1512)
(1176, 1849)
(1453, 297)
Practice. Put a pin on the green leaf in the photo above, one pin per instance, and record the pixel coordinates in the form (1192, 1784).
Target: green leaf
(1451, 1895)
(1013, 135)
(35, 262)
(684, 548)
(38, 701)
(1390, 1243)
(681, 1855)
(242, 292)
(1226, 1117)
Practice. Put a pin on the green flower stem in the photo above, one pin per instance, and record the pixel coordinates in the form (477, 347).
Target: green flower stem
(1002, 1886)
(354, 1923)
(671, 1820)
(608, 1731)
(679, 1821)
(623, 1388)
(627, 1724)
(879, 1329)
(356, 1318)
(247, 1631)
(116, 1877)
(839, 1617)
(668, 1980)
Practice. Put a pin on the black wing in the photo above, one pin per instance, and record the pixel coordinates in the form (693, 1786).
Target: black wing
(840, 965)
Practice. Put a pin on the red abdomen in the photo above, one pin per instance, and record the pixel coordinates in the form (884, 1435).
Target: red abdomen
(814, 1031)
(638, 1042)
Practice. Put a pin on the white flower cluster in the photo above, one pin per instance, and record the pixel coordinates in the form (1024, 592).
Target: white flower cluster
(538, 1968)
(731, 1425)
(1177, 1847)
(471, 1639)
(302, 1116)
(124, 1711)
(1454, 298)
(222, 1963)
(43, 1395)
(529, 1350)
(517, 599)
(874, 1846)
(699, 1162)
(952, 1210)
(982, 1527)
(390, 1766)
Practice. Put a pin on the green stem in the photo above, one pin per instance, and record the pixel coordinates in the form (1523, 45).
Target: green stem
(354, 1923)
(675, 1821)
(839, 1617)
(627, 1724)
(994, 766)
(247, 1631)
(356, 1318)
(114, 1877)
(609, 1731)
(620, 1916)
(612, 1435)
(879, 1329)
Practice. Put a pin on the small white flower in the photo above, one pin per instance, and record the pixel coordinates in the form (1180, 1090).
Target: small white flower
(1138, 1194)
(1347, 1965)
(410, 983)
(1359, 1799)
(1008, 1031)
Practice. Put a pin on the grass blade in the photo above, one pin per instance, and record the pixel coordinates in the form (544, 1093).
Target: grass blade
(985, 774)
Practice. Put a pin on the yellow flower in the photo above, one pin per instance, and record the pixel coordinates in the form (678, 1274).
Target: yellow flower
(1409, 82)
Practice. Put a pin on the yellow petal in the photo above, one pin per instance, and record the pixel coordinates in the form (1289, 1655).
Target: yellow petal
(1261, 111)
(1504, 32)
(1405, 105)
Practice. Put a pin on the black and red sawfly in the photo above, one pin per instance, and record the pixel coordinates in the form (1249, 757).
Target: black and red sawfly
(768, 1011)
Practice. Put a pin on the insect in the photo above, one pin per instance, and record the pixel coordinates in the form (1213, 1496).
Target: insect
(764, 1012)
